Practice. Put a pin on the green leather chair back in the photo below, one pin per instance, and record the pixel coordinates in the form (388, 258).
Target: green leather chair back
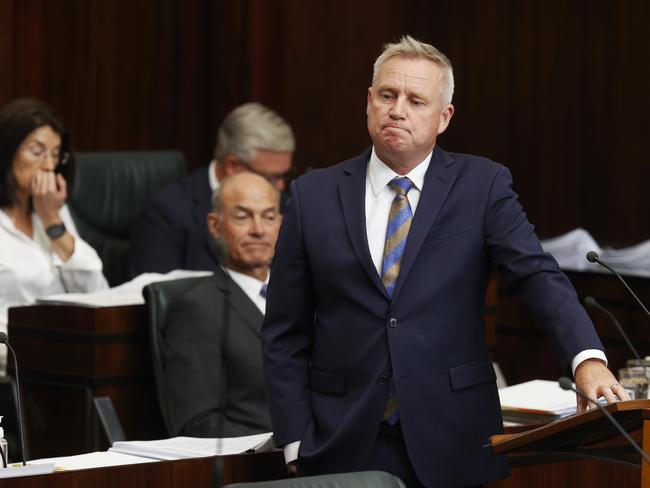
(158, 296)
(110, 191)
(360, 479)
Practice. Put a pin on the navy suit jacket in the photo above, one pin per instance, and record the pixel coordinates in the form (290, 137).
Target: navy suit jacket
(332, 338)
(172, 232)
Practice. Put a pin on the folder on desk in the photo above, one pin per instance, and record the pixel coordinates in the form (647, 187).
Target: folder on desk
(192, 447)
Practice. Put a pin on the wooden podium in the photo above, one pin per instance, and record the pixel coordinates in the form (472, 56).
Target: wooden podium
(581, 450)
(69, 354)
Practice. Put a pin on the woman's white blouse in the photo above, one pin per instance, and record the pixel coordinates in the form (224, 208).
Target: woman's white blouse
(30, 269)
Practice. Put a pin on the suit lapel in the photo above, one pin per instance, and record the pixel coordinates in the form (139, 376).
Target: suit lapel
(238, 300)
(352, 191)
(438, 181)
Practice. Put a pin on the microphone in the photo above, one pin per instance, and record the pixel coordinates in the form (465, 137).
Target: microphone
(566, 384)
(591, 301)
(4, 339)
(592, 257)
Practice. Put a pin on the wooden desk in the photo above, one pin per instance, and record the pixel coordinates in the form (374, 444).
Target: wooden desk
(184, 473)
(67, 355)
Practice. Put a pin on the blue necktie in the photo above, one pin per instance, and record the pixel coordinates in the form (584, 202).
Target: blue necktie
(399, 224)
(263, 291)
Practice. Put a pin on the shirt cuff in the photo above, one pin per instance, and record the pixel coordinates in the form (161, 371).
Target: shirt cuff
(291, 451)
(587, 354)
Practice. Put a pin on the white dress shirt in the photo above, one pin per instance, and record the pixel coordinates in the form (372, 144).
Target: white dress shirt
(378, 200)
(251, 286)
(29, 268)
(212, 176)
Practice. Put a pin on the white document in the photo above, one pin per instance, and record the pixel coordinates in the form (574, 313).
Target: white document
(92, 460)
(129, 293)
(570, 251)
(15, 471)
(538, 396)
(192, 447)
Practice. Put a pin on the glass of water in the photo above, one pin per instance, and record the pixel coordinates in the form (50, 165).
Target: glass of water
(635, 382)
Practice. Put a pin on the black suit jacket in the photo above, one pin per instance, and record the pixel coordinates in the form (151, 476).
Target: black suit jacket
(212, 345)
(172, 231)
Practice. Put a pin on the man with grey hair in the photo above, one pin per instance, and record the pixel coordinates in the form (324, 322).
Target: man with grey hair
(373, 339)
(171, 233)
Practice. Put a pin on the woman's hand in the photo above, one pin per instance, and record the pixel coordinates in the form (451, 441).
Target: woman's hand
(49, 192)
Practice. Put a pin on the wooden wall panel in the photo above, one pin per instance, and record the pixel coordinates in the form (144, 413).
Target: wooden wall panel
(6, 48)
(327, 70)
(555, 90)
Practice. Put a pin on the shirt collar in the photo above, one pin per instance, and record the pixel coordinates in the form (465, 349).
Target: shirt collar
(380, 174)
(212, 175)
(246, 278)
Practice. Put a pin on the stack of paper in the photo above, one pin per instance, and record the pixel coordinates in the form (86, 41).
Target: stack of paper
(129, 293)
(536, 401)
(90, 460)
(570, 251)
(191, 447)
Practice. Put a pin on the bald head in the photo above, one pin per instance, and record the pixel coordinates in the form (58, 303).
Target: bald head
(246, 220)
(241, 185)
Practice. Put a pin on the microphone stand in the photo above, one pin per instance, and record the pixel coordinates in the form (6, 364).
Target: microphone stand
(592, 257)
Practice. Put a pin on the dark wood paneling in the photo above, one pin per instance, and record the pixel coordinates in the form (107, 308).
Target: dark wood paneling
(555, 90)
(6, 48)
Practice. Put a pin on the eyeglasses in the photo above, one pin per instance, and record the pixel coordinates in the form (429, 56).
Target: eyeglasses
(40, 154)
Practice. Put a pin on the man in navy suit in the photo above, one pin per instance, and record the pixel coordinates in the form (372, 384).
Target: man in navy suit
(172, 232)
(373, 340)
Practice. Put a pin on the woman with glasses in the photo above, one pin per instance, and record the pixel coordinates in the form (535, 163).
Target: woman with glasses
(40, 250)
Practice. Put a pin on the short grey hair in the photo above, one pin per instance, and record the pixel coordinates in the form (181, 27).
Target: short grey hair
(250, 127)
(412, 48)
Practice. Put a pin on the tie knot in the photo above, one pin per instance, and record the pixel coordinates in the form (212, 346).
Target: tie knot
(401, 186)
(263, 290)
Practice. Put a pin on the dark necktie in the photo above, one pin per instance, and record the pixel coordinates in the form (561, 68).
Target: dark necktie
(263, 291)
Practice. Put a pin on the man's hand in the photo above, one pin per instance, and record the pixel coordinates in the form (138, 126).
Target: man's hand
(293, 470)
(595, 380)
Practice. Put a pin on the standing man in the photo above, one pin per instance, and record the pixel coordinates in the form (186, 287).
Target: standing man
(171, 232)
(211, 352)
(373, 341)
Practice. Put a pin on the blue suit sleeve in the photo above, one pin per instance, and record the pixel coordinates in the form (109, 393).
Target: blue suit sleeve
(287, 331)
(534, 275)
(157, 242)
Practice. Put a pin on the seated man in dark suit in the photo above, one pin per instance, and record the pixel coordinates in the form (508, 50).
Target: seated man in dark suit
(211, 351)
(171, 232)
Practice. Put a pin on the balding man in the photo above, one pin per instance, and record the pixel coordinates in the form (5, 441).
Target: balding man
(171, 232)
(211, 349)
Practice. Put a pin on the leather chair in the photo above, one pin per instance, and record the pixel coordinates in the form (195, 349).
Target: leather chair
(158, 296)
(111, 189)
(361, 479)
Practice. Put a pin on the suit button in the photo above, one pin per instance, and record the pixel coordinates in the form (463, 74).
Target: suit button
(383, 379)
(392, 322)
